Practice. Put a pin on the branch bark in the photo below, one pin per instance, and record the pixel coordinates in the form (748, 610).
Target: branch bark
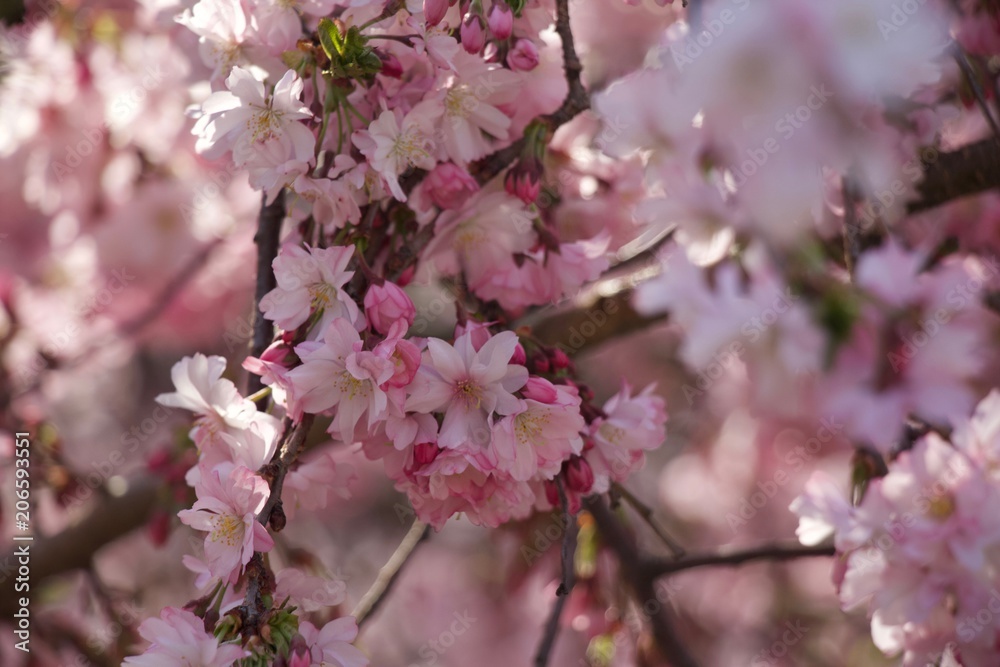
(267, 238)
(778, 551)
(75, 547)
(390, 572)
(967, 171)
(639, 580)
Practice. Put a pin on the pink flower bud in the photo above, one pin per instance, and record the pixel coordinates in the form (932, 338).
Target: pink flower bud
(552, 493)
(298, 652)
(560, 359)
(391, 66)
(159, 528)
(473, 35)
(501, 21)
(523, 182)
(425, 453)
(520, 356)
(541, 390)
(579, 475)
(450, 186)
(386, 303)
(523, 57)
(434, 11)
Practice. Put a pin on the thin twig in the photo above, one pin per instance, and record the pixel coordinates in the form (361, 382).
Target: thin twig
(390, 572)
(643, 585)
(646, 512)
(852, 231)
(977, 90)
(658, 567)
(281, 462)
(567, 556)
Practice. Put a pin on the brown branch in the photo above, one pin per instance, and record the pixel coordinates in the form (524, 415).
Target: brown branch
(567, 555)
(779, 551)
(75, 547)
(390, 572)
(967, 171)
(267, 238)
(278, 467)
(638, 577)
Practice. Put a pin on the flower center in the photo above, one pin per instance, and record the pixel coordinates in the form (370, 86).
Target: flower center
(528, 426)
(458, 101)
(941, 507)
(469, 393)
(352, 387)
(409, 147)
(228, 529)
(323, 295)
(264, 123)
(612, 434)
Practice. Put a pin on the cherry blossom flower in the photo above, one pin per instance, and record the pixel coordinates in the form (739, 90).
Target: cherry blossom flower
(178, 637)
(633, 425)
(331, 645)
(310, 280)
(226, 509)
(339, 373)
(393, 146)
(386, 304)
(470, 385)
(201, 389)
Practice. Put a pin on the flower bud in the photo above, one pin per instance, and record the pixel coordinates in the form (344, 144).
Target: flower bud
(473, 34)
(450, 186)
(524, 180)
(501, 21)
(540, 389)
(434, 11)
(523, 57)
(520, 356)
(552, 493)
(579, 475)
(560, 359)
(391, 66)
(159, 528)
(386, 303)
(425, 453)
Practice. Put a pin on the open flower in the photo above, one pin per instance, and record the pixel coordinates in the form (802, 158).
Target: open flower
(178, 637)
(226, 509)
(310, 280)
(470, 385)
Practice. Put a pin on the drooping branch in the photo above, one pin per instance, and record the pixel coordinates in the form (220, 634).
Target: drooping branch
(390, 572)
(567, 556)
(639, 580)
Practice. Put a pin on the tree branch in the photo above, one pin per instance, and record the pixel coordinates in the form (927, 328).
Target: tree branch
(778, 551)
(267, 238)
(642, 584)
(390, 572)
(567, 555)
(967, 171)
(75, 547)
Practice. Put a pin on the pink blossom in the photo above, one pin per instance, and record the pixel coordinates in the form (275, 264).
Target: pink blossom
(449, 186)
(178, 637)
(201, 389)
(310, 280)
(331, 645)
(633, 425)
(392, 145)
(539, 435)
(339, 373)
(226, 509)
(387, 303)
(469, 385)
(524, 56)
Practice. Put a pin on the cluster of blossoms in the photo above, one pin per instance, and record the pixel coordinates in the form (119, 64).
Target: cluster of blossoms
(920, 549)
(774, 151)
(490, 425)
